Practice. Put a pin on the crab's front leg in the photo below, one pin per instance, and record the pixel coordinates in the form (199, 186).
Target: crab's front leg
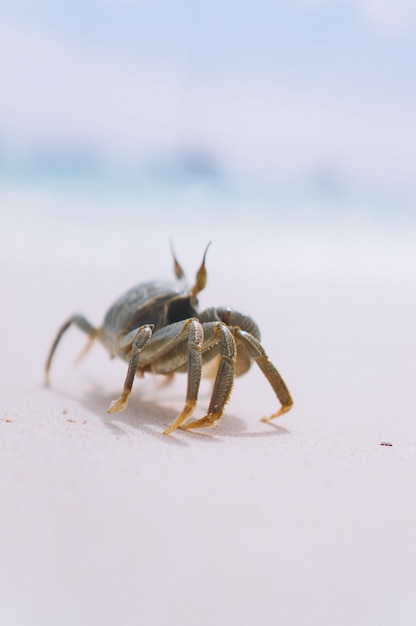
(195, 342)
(164, 352)
(141, 338)
(223, 381)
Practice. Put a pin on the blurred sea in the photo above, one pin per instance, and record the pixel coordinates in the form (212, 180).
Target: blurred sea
(282, 132)
(90, 221)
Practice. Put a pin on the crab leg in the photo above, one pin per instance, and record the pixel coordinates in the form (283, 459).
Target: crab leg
(160, 351)
(83, 324)
(195, 341)
(223, 381)
(143, 335)
(258, 353)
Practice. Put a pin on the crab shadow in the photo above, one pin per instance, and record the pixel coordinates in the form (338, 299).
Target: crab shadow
(148, 414)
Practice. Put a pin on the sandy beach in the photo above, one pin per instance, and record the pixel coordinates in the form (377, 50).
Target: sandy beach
(309, 520)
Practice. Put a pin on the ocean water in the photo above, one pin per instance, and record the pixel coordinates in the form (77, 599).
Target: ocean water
(126, 224)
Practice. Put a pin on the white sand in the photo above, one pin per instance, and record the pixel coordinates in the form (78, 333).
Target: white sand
(309, 521)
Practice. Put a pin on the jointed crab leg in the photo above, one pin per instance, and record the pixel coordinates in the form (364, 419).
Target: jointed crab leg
(83, 324)
(223, 381)
(143, 335)
(258, 353)
(195, 341)
(160, 350)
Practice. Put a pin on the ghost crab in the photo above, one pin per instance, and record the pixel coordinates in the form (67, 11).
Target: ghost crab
(156, 327)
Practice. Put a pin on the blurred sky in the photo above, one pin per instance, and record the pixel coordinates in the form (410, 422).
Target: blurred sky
(297, 92)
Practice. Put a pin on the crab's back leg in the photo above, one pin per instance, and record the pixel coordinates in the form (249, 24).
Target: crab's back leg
(83, 324)
(277, 383)
(223, 381)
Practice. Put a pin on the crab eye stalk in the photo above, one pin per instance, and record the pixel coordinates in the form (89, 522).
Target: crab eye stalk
(177, 267)
(201, 276)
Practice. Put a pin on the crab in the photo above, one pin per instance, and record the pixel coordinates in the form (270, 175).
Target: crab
(156, 327)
